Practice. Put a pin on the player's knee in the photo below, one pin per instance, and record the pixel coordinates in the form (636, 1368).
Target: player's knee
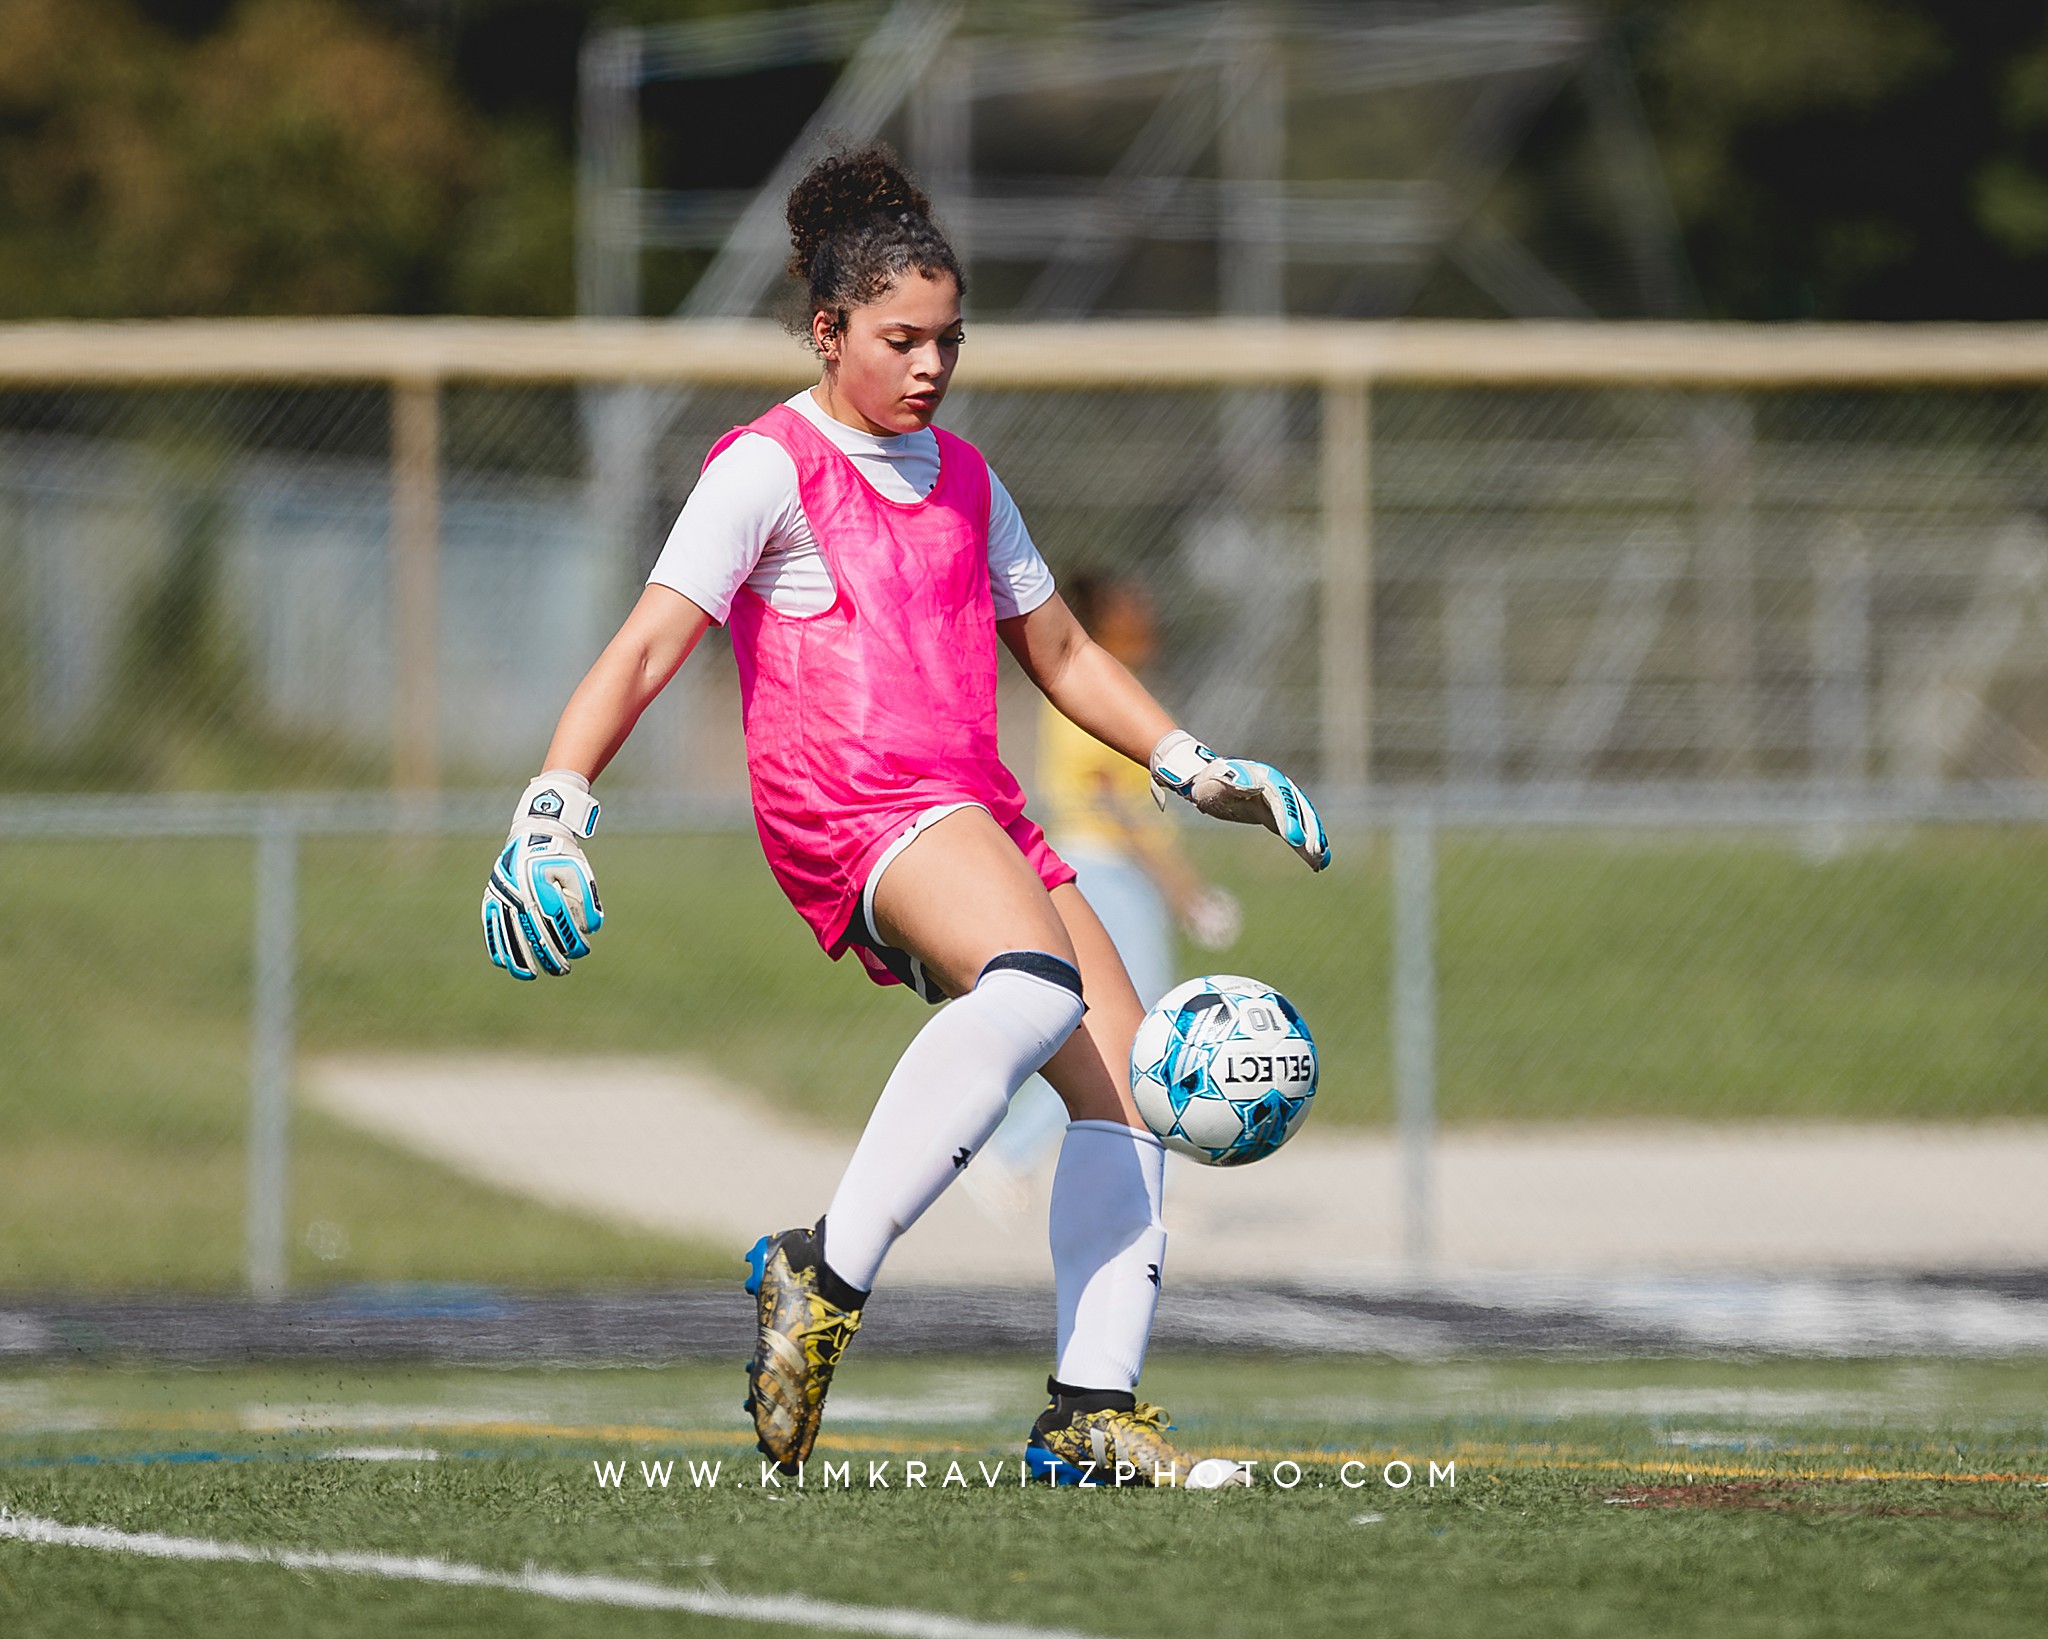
(1038, 964)
(1041, 986)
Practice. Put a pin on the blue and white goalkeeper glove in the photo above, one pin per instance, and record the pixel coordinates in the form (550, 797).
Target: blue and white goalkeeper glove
(541, 904)
(1230, 788)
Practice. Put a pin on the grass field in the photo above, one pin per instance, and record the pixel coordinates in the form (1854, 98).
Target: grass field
(1588, 1498)
(1581, 977)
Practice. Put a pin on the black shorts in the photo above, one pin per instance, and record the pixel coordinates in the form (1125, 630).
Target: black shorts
(867, 944)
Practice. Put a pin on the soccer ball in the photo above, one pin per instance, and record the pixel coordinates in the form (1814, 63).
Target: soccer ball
(1223, 1070)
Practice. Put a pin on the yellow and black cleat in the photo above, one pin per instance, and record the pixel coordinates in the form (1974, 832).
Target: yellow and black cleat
(802, 1335)
(1103, 1438)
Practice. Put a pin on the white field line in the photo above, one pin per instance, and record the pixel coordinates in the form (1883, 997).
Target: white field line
(382, 1454)
(792, 1610)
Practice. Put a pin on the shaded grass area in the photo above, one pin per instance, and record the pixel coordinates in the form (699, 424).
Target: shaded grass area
(1582, 977)
(82, 1211)
(1909, 1493)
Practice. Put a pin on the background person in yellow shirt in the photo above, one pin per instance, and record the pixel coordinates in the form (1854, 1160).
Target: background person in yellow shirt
(1098, 811)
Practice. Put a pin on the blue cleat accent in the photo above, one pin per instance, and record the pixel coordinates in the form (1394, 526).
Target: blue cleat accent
(757, 1265)
(1049, 1468)
(1103, 1447)
(756, 1261)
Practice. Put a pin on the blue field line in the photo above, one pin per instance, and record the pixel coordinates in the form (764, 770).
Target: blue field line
(93, 1459)
(421, 1300)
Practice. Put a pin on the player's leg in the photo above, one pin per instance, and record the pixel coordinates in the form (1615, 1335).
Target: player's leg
(1108, 1236)
(1091, 1071)
(961, 894)
(1133, 913)
(1107, 1230)
(966, 903)
(969, 906)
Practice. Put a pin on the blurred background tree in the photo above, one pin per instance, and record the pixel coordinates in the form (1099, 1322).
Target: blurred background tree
(1838, 159)
(279, 156)
(1854, 159)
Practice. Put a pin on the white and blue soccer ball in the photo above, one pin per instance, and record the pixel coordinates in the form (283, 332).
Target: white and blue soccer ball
(1223, 1070)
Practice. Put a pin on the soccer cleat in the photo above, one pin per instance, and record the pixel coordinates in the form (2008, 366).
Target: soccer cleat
(1073, 1443)
(802, 1335)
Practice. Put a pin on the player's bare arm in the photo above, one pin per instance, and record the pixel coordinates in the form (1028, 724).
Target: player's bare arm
(1096, 692)
(1087, 684)
(636, 665)
(541, 905)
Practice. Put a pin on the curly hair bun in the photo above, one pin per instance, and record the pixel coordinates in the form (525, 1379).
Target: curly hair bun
(840, 191)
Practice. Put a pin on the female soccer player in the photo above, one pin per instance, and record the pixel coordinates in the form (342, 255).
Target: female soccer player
(865, 564)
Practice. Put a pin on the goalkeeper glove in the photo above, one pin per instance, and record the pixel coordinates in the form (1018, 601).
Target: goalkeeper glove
(1230, 788)
(541, 904)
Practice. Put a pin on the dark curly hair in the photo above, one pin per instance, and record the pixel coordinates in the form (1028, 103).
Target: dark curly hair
(857, 224)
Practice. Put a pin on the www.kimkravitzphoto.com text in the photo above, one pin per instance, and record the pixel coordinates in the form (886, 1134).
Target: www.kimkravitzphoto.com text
(914, 1474)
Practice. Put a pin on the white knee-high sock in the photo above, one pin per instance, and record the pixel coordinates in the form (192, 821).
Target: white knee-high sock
(946, 1095)
(1108, 1251)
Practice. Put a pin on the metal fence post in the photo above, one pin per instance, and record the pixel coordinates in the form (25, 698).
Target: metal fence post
(1414, 1028)
(1346, 637)
(416, 582)
(270, 1054)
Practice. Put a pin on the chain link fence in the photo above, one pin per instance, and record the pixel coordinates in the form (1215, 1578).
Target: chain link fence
(1683, 735)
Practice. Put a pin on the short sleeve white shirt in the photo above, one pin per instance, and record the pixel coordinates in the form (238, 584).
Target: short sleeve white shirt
(744, 524)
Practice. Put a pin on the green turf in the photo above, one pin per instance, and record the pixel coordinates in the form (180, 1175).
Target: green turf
(1629, 977)
(1590, 1498)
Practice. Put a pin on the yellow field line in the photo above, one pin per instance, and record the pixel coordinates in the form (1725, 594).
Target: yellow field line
(1520, 1458)
(1492, 1457)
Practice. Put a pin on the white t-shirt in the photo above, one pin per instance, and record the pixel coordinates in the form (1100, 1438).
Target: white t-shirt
(744, 524)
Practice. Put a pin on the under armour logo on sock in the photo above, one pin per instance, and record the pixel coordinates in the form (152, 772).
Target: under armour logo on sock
(1151, 1269)
(960, 1159)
